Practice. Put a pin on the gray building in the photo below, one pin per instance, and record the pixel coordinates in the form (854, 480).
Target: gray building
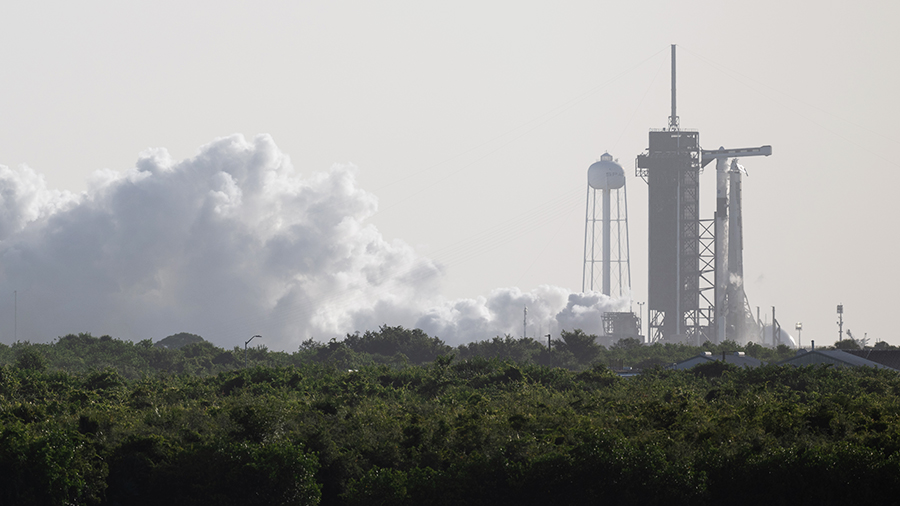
(890, 358)
(737, 358)
(837, 358)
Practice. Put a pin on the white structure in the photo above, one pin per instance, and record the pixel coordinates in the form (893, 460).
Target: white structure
(730, 299)
(772, 338)
(606, 255)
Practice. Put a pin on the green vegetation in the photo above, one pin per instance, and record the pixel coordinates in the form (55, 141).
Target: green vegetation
(179, 340)
(393, 346)
(90, 420)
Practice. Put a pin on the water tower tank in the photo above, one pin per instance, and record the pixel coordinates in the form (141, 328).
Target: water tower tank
(606, 174)
(606, 263)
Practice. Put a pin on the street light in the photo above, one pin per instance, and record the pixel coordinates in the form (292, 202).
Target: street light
(245, 348)
(840, 322)
(798, 327)
(641, 319)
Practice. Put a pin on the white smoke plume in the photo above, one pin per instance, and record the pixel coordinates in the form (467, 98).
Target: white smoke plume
(550, 309)
(230, 243)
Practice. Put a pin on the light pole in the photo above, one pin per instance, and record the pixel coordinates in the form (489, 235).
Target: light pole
(641, 319)
(840, 322)
(798, 327)
(245, 348)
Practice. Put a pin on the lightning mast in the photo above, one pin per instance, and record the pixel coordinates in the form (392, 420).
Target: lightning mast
(671, 168)
(673, 119)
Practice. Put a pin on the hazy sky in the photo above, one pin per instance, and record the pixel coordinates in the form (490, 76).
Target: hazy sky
(470, 126)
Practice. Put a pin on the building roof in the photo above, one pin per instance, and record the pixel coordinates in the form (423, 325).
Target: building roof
(839, 358)
(890, 358)
(735, 358)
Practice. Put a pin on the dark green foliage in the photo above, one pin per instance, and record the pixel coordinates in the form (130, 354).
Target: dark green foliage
(712, 369)
(847, 344)
(582, 346)
(476, 431)
(415, 344)
(506, 348)
(149, 471)
(765, 354)
(32, 360)
(396, 347)
(179, 340)
(597, 377)
(49, 466)
(102, 421)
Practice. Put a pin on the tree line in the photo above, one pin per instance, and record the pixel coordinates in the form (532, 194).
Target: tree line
(393, 346)
(455, 431)
(395, 416)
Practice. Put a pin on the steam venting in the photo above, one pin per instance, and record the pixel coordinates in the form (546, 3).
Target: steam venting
(230, 243)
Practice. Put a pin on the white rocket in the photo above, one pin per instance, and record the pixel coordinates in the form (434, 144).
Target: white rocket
(730, 297)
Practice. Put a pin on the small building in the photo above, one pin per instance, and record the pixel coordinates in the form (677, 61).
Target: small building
(737, 358)
(837, 358)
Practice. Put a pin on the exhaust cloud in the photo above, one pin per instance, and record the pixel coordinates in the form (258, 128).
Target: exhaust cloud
(230, 243)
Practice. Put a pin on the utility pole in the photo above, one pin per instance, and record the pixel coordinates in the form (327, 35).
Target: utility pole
(641, 320)
(761, 327)
(774, 344)
(525, 324)
(245, 348)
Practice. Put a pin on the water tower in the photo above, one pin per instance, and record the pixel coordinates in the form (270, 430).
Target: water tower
(606, 256)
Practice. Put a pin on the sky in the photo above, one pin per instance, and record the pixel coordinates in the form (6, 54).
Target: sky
(309, 169)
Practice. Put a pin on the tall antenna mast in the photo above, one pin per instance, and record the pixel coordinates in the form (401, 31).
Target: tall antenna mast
(673, 119)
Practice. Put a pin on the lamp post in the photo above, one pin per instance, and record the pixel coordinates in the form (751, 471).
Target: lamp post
(549, 349)
(840, 322)
(245, 348)
(798, 327)
(641, 319)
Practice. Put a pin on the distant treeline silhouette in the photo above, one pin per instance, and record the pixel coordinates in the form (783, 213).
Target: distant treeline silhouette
(393, 346)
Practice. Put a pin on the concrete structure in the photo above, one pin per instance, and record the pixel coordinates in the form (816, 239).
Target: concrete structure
(621, 326)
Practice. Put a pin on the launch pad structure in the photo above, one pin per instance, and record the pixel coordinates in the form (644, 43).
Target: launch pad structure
(695, 266)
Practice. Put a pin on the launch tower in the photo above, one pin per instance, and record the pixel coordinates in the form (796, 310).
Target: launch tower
(692, 296)
(671, 168)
